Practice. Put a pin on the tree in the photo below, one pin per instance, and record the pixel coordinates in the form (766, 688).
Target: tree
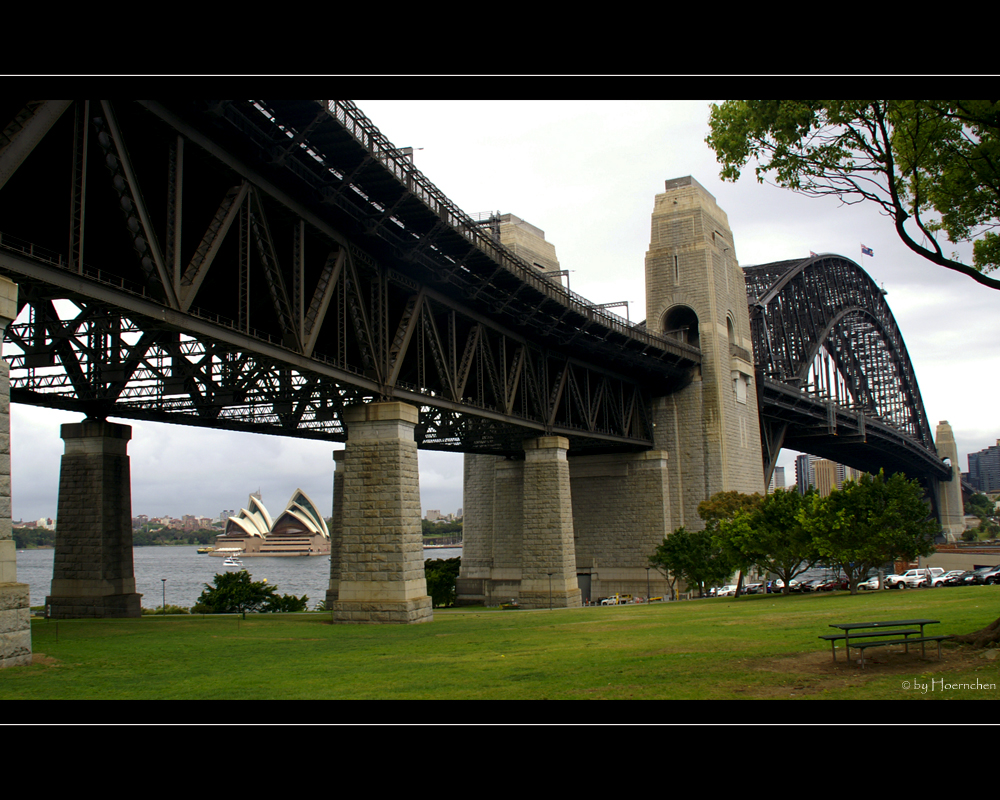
(236, 593)
(932, 166)
(981, 506)
(693, 557)
(870, 522)
(723, 506)
(442, 575)
(771, 536)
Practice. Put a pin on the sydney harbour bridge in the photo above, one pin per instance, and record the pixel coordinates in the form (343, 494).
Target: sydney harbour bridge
(272, 266)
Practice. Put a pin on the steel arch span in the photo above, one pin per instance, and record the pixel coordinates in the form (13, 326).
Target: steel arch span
(834, 378)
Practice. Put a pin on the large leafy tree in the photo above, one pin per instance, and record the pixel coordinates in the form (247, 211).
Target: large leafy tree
(719, 508)
(870, 522)
(441, 575)
(932, 166)
(771, 535)
(694, 557)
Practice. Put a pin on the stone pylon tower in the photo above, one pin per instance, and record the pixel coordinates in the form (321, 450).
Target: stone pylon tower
(951, 509)
(695, 292)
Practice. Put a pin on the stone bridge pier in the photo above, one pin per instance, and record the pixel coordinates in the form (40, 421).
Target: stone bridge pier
(377, 570)
(93, 573)
(15, 607)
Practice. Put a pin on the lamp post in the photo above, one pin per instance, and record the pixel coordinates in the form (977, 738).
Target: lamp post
(163, 608)
(647, 584)
(550, 590)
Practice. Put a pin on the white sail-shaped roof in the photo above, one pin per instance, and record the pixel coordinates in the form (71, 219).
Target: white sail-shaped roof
(301, 513)
(304, 510)
(254, 521)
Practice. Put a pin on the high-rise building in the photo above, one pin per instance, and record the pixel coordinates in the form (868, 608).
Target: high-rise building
(984, 469)
(822, 474)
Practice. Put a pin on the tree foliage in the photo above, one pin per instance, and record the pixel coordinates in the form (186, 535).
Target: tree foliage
(694, 557)
(870, 522)
(237, 593)
(720, 508)
(981, 506)
(771, 536)
(932, 166)
(442, 575)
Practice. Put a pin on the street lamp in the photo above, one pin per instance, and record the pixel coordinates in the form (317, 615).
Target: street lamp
(647, 584)
(163, 608)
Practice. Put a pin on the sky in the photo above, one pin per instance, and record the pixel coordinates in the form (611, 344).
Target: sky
(586, 173)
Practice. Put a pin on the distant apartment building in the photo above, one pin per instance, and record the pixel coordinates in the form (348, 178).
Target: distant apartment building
(984, 469)
(777, 480)
(822, 474)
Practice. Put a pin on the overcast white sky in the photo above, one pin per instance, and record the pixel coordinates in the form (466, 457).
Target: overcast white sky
(586, 173)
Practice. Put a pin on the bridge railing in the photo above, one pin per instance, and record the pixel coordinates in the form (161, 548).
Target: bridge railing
(364, 131)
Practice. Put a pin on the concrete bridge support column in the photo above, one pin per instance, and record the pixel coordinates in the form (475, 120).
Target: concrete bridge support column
(93, 573)
(493, 501)
(951, 509)
(548, 570)
(15, 612)
(381, 552)
(621, 514)
(336, 528)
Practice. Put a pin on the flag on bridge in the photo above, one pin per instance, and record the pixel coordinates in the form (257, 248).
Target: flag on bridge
(867, 251)
(812, 254)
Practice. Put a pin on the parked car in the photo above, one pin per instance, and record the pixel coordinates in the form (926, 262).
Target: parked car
(833, 585)
(726, 591)
(617, 600)
(811, 585)
(959, 580)
(942, 580)
(974, 577)
(913, 578)
(991, 577)
(870, 584)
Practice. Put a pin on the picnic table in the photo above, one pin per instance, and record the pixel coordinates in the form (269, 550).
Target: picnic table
(887, 632)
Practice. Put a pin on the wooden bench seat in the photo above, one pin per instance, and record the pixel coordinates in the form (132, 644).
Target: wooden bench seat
(833, 638)
(906, 641)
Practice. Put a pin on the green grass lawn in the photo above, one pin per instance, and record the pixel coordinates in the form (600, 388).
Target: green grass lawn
(755, 647)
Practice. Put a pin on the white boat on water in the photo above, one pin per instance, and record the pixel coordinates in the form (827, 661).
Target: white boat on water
(232, 561)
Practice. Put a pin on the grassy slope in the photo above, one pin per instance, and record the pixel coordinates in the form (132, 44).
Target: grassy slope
(761, 646)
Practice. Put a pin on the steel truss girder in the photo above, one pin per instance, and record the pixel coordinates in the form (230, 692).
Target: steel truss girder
(148, 339)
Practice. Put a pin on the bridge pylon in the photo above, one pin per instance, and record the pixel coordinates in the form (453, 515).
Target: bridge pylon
(696, 293)
(948, 494)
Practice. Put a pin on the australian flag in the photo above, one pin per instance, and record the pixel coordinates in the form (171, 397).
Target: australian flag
(867, 251)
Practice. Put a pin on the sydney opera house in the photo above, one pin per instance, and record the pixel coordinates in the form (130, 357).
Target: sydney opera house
(299, 530)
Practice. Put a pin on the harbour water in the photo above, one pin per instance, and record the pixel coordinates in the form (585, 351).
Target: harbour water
(181, 573)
